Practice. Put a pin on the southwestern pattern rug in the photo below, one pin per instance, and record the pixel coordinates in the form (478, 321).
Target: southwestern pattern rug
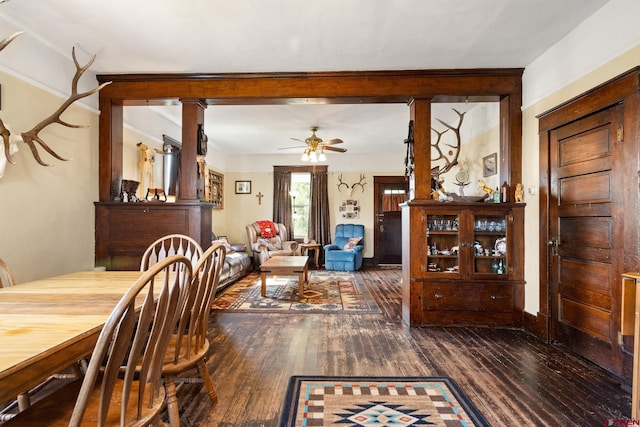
(377, 401)
(327, 291)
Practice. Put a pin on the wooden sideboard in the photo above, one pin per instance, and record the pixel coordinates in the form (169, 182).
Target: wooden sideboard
(125, 230)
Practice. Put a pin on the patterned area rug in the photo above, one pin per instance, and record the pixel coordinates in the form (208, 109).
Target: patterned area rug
(327, 291)
(377, 401)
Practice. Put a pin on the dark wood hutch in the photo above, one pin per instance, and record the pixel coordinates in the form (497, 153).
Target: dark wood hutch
(119, 245)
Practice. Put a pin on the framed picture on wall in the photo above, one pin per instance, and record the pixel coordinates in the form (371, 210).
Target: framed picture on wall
(490, 164)
(243, 187)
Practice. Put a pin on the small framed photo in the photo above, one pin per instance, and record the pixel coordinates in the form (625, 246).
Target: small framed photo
(243, 187)
(490, 164)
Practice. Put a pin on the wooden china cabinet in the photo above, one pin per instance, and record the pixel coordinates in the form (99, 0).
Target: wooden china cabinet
(468, 263)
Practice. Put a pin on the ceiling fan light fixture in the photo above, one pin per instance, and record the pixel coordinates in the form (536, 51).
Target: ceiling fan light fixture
(314, 151)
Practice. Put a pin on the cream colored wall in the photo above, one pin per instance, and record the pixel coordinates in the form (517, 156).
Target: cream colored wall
(46, 213)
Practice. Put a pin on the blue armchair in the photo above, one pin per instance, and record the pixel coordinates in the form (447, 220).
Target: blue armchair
(336, 257)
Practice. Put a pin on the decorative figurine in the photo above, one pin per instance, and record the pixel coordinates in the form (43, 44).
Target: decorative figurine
(519, 194)
(485, 188)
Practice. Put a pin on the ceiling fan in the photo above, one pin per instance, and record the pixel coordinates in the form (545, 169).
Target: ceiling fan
(315, 147)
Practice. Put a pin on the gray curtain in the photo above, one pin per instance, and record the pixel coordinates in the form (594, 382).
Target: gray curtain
(319, 208)
(282, 200)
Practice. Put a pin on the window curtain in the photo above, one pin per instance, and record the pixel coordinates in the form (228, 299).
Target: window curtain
(282, 200)
(319, 209)
(391, 202)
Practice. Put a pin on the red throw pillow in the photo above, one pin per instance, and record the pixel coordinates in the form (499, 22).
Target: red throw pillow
(267, 228)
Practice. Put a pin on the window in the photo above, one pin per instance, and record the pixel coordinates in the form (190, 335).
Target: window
(392, 198)
(300, 201)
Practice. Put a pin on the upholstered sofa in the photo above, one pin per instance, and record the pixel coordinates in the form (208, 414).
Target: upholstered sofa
(267, 246)
(345, 253)
(237, 264)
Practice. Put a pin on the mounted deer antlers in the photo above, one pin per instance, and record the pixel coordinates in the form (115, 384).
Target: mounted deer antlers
(453, 160)
(31, 137)
(4, 43)
(350, 188)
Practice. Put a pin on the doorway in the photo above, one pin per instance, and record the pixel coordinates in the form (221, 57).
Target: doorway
(389, 193)
(585, 239)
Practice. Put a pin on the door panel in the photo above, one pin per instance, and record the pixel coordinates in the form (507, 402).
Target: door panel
(390, 191)
(582, 155)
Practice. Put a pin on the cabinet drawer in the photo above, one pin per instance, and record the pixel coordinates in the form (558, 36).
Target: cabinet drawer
(468, 297)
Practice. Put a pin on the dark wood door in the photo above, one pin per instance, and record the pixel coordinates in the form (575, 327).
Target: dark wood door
(586, 238)
(390, 191)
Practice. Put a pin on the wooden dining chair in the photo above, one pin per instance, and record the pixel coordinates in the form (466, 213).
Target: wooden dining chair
(135, 337)
(171, 244)
(189, 346)
(6, 277)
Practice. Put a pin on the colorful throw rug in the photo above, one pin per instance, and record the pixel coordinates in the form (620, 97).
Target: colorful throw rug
(327, 291)
(377, 401)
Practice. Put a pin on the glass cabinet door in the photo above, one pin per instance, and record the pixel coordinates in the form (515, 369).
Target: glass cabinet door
(490, 244)
(443, 249)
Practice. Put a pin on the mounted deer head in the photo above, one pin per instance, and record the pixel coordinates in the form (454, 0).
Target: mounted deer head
(31, 137)
(361, 183)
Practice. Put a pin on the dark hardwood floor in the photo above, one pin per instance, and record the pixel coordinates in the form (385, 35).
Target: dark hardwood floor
(512, 378)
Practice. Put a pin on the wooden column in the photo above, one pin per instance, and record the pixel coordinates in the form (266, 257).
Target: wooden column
(110, 149)
(510, 128)
(192, 116)
(420, 113)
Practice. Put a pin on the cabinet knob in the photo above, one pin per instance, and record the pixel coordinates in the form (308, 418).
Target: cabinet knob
(494, 297)
(438, 296)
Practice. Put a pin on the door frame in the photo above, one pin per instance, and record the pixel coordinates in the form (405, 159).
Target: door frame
(379, 181)
(624, 88)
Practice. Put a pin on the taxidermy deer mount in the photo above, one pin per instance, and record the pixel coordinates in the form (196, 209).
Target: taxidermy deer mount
(31, 137)
(361, 183)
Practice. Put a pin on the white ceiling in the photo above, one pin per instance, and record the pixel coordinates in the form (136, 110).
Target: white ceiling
(220, 36)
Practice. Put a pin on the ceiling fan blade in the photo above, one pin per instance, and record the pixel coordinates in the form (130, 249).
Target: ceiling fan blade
(332, 141)
(297, 146)
(296, 139)
(340, 150)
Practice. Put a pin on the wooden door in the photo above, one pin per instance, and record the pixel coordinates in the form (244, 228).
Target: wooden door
(389, 191)
(586, 238)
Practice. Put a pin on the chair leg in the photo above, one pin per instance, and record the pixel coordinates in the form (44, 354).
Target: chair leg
(172, 401)
(206, 378)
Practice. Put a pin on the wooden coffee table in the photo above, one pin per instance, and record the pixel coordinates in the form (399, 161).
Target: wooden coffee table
(286, 266)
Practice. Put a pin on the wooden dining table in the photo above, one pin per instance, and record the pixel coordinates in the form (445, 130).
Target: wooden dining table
(47, 325)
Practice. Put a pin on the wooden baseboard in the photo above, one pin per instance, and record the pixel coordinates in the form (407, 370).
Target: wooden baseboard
(536, 325)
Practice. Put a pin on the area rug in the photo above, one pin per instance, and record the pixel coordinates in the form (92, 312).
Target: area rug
(327, 291)
(377, 401)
